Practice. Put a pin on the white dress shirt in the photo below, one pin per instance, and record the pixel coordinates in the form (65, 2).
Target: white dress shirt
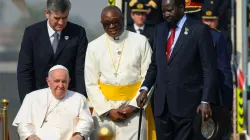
(137, 28)
(51, 32)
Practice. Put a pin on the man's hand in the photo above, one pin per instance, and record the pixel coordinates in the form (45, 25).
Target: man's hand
(142, 98)
(205, 111)
(77, 137)
(127, 111)
(33, 137)
(116, 115)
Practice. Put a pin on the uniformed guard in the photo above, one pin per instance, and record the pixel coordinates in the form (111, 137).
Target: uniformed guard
(211, 17)
(221, 114)
(222, 7)
(139, 16)
(154, 12)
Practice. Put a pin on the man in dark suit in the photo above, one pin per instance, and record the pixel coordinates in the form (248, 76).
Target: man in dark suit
(50, 42)
(183, 68)
(139, 16)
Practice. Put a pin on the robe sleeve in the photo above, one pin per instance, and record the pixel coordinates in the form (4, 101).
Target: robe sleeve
(146, 53)
(92, 74)
(85, 122)
(25, 130)
(23, 120)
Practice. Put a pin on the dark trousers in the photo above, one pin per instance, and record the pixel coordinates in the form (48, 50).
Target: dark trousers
(229, 128)
(170, 127)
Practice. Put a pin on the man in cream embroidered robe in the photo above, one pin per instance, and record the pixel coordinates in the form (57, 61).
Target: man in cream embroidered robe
(114, 67)
(63, 117)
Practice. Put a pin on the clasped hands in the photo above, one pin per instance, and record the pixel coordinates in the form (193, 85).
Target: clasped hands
(33, 137)
(119, 115)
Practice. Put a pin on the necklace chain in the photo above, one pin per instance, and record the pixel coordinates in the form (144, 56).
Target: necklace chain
(119, 61)
(49, 111)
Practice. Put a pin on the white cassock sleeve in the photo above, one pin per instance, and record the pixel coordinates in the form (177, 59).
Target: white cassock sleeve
(146, 53)
(92, 74)
(23, 120)
(85, 124)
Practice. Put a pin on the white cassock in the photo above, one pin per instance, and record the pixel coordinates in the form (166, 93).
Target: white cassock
(49, 118)
(102, 66)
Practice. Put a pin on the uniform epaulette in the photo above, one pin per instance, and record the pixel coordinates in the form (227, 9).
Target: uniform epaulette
(215, 29)
(192, 11)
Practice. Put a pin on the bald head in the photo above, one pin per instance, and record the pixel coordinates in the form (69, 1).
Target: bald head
(112, 21)
(174, 2)
(111, 9)
(173, 11)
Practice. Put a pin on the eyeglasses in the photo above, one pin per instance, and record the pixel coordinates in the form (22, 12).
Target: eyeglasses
(114, 23)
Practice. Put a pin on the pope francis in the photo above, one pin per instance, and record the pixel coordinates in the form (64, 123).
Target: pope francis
(54, 113)
(115, 66)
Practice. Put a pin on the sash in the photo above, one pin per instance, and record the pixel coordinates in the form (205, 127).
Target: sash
(128, 92)
(119, 93)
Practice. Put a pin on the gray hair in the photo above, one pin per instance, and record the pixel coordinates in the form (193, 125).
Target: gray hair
(61, 6)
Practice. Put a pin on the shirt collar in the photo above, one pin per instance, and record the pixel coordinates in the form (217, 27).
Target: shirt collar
(51, 31)
(182, 21)
(137, 27)
(119, 38)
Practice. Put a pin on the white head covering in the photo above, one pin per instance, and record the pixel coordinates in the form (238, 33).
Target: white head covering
(56, 67)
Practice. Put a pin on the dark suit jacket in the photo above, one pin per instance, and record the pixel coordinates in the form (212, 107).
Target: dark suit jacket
(36, 57)
(224, 69)
(189, 76)
(148, 32)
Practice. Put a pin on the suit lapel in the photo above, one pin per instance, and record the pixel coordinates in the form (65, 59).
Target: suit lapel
(62, 42)
(162, 38)
(44, 39)
(133, 29)
(179, 43)
(145, 31)
(165, 36)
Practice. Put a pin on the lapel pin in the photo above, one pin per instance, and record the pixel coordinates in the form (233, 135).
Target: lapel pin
(186, 31)
(66, 37)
